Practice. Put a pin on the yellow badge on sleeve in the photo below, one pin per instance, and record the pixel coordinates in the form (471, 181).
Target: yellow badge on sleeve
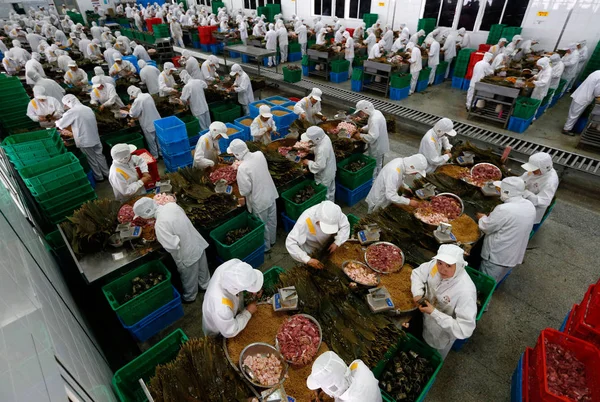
(311, 227)
(434, 271)
(354, 366)
(227, 302)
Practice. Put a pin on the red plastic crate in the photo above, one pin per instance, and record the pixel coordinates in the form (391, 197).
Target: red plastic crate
(484, 48)
(152, 168)
(152, 21)
(579, 327)
(475, 57)
(584, 351)
(593, 309)
(205, 35)
(175, 61)
(350, 31)
(292, 99)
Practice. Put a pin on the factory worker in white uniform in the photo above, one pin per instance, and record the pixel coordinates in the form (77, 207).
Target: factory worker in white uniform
(166, 81)
(309, 108)
(450, 308)
(149, 76)
(370, 41)
(557, 71)
(19, 54)
(193, 94)
(481, 69)
(43, 105)
(515, 45)
(223, 299)
(345, 384)
(583, 55)
(449, 50)
(374, 133)
(144, 109)
(415, 37)
(102, 77)
(282, 38)
(314, 229)
(434, 59)
(391, 178)
(542, 79)
(349, 51)
(263, 126)
(52, 88)
(177, 235)
(359, 32)
(416, 65)
(243, 86)
(140, 52)
(324, 166)
(11, 65)
(122, 68)
(93, 50)
(499, 47)
(209, 69)
(256, 185)
(207, 150)
(34, 65)
(84, 129)
(301, 31)
(191, 65)
(506, 229)
(377, 51)
(435, 141)
(271, 44)
(582, 97)
(105, 95)
(75, 76)
(571, 63)
(123, 176)
(541, 183)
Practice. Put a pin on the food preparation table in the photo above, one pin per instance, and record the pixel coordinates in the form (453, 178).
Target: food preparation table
(494, 95)
(383, 71)
(258, 53)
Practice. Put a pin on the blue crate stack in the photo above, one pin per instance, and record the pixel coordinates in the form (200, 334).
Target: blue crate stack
(174, 143)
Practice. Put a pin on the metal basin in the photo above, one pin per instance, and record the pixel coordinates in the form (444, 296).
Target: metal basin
(260, 348)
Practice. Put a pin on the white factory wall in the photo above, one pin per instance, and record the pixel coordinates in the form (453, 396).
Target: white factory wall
(40, 324)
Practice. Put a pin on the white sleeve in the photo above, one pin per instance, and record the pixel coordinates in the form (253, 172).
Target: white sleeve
(140, 163)
(299, 108)
(244, 182)
(430, 152)
(255, 129)
(31, 113)
(320, 161)
(391, 189)
(465, 312)
(418, 279)
(446, 144)
(343, 233)
(112, 96)
(186, 93)
(230, 326)
(493, 222)
(199, 160)
(136, 109)
(296, 237)
(119, 183)
(544, 197)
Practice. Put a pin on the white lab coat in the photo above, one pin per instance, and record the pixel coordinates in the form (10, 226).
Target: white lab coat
(434, 54)
(109, 56)
(375, 52)
(94, 52)
(271, 38)
(220, 307)
(311, 111)
(209, 71)
(571, 62)
(583, 56)
(540, 191)
(35, 109)
(124, 180)
(83, 125)
(258, 30)
(149, 76)
(588, 90)
(140, 52)
(542, 84)
(106, 97)
(125, 67)
(77, 77)
(96, 32)
(359, 33)
(363, 385)
(52, 88)
(496, 50)
(398, 45)
(193, 93)
(166, 84)
(193, 68)
(144, 109)
(388, 37)
(349, 50)
(449, 47)
(385, 187)
(83, 45)
(34, 40)
(481, 70)
(258, 130)
(243, 87)
(507, 230)
(557, 72)
(307, 237)
(339, 36)
(370, 42)
(416, 62)
(207, 152)
(455, 302)
(377, 137)
(324, 166)
(500, 61)
(431, 147)
(255, 182)
(33, 65)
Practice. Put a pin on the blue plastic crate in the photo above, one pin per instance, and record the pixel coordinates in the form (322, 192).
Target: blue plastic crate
(439, 78)
(458, 344)
(287, 104)
(503, 279)
(286, 120)
(170, 129)
(457, 82)
(234, 55)
(151, 63)
(580, 125)
(293, 57)
(466, 84)
(305, 71)
(352, 197)
(175, 147)
(288, 223)
(356, 86)
(283, 131)
(133, 60)
(92, 179)
(254, 109)
(554, 100)
(194, 141)
(338, 77)
(174, 162)
(516, 383)
(541, 110)
(224, 142)
(399, 93)
(248, 59)
(245, 129)
(205, 48)
(196, 44)
(155, 322)
(266, 60)
(217, 48)
(563, 326)
(421, 85)
(519, 125)
(256, 258)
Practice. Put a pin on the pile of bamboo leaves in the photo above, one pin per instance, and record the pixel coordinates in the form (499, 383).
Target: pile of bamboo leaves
(281, 169)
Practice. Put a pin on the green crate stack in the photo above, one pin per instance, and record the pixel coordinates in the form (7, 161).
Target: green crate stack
(294, 48)
(291, 75)
(132, 138)
(30, 148)
(359, 61)
(76, 17)
(13, 106)
(548, 97)
(441, 68)
(244, 246)
(352, 180)
(353, 220)
(227, 113)
(216, 5)
(424, 73)
(525, 108)
(293, 210)
(426, 24)
(462, 62)
(357, 74)
(339, 66)
(161, 31)
(592, 65)
(509, 32)
(485, 286)
(400, 80)
(192, 125)
(495, 34)
(370, 19)
(274, 9)
(271, 279)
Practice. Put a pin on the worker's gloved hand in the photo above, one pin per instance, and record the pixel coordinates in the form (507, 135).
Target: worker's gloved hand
(303, 116)
(332, 248)
(479, 215)
(146, 178)
(414, 203)
(426, 307)
(252, 308)
(316, 264)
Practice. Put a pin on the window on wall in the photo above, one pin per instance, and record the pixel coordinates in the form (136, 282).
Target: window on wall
(432, 9)
(250, 4)
(323, 7)
(448, 10)
(468, 14)
(492, 14)
(514, 12)
(356, 9)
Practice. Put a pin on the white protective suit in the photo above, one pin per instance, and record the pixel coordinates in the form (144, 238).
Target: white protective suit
(11, 66)
(259, 29)
(388, 37)
(414, 38)
(123, 176)
(177, 33)
(34, 65)
(93, 50)
(542, 79)
(259, 129)
(376, 134)
(107, 96)
(166, 82)
(193, 94)
(282, 37)
(359, 32)
(207, 149)
(386, 186)
(583, 56)
(449, 50)
(540, 188)
(482, 69)
(257, 186)
(192, 66)
(455, 299)
(370, 41)
(416, 65)
(499, 47)
(307, 236)
(302, 33)
(144, 109)
(582, 97)
(243, 86)
(222, 301)
(506, 230)
(122, 69)
(557, 71)
(271, 43)
(377, 51)
(140, 52)
(434, 59)
(19, 54)
(310, 110)
(149, 76)
(501, 60)
(324, 166)
(571, 62)
(349, 51)
(515, 45)
(243, 28)
(436, 140)
(209, 69)
(51, 87)
(110, 53)
(339, 35)
(42, 105)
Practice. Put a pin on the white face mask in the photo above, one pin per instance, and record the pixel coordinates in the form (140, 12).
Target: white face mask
(504, 196)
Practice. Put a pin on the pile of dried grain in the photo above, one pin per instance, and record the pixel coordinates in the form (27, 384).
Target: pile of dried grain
(279, 102)
(398, 284)
(246, 122)
(465, 229)
(279, 112)
(348, 251)
(232, 130)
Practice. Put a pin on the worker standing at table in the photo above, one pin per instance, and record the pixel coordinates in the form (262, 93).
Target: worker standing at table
(416, 65)
(104, 95)
(177, 235)
(44, 109)
(75, 76)
(482, 69)
(224, 298)
(450, 298)
(374, 133)
(391, 179)
(435, 141)
(345, 384)
(506, 229)
(309, 108)
(434, 59)
(324, 166)
(371, 40)
(34, 64)
(263, 126)
(571, 63)
(207, 150)
(166, 81)
(271, 44)
(123, 176)
(193, 94)
(149, 76)
(144, 109)
(557, 71)
(257, 187)
(542, 80)
(499, 47)
(243, 86)
(122, 68)
(301, 31)
(313, 231)
(140, 52)
(209, 69)
(582, 97)
(541, 183)
(449, 50)
(282, 38)
(191, 65)
(349, 51)
(377, 51)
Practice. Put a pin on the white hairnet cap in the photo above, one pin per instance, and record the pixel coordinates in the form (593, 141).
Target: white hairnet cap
(330, 373)
(451, 254)
(541, 161)
(121, 151)
(315, 133)
(169, 66)
(70, 100)
(502, 40)
(118, 57)
(265, 111)
(416, 164)
(445, 126)
(133, 91)
(242, 276)
(329, 217)
(218, 128)
(72, 64)
(236, 69)
(316, 93)
(544, 62)
(365, 106)
(98, 70)
(39, 92)
(96, 82)
(511, 186)
(145, 208)
(555, 57)
(488, 56)
(141, 64)
(237, 147)
(185, 76)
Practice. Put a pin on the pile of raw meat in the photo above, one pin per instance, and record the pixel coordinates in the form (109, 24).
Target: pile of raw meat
(566, 374)
(162, 198)
(299, 340)
(303, 146)
(441, 209)
(345, 128)
(126, 214)
(427, 215)
(384, 258)
(265, 368)
(361, 274)
(227, 173)
(286, 150)
(147, 157)
(483, 173)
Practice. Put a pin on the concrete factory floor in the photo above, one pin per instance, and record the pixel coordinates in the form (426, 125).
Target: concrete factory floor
(559, 266)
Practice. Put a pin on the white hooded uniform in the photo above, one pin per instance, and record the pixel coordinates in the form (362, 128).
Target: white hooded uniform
(43, 105)
(542, 80)
(376, 134)
(449, 50)
(207, 149)
(571, 63)
(243, 86)
(123, 176)
(540, 189)
(482, 69)
(416, 65)
(33, 65)
(192, 66)
(140, 52)
(582, 97)
(259, 128)
(506, 229)
(271, 43)
(434, 59)
(557, 71)
(106, 96)
(52, 88)
(222, 301)
(391, 178)
(306, 107)
(455, 299)
(166, 82)
(436, 140)
(77, 77)
(149, 76)
(144, 109)
(209, 69)
(307, 235)
(324, 166)
(193, 94)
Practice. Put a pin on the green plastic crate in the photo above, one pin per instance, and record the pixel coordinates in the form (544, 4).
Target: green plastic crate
(485, 285)
(352, 180)
(357, 74)
(125, 381)
(244, 246)
(400, 80)
(50, 174)
(161, 31)
(192, 125)
(291, 75)
(63, 189)
(426, 24)
(405, 343)
(219, 4)
(561, 86)
(42, 140)
(359, 61)
(424, 73)
(370, 19)
(55, 241)
(227, 113)
(509, 32)
(293, 210)
(339, 66)
(24, 159)
(294, 48)
(548, 97)
(525, 108)
(58, 216)
(128, 138)
(353, 219)
(271, 279)
(275, 8)
(441, 68)
(464, 55)
(151, 300)
(149, 37)
(73, 196)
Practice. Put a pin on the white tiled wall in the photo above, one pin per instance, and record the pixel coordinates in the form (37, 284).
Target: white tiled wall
(39, 322)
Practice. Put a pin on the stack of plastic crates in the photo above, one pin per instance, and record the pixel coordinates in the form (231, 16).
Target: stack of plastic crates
(174, 143)
(161, 31)
(370, 19)
(461, 63)
(400, 86)
(426, 24)
(13, 106)
(30, 148)
(249, 248)
(592, 65)
(59, 185)
(509, 32)
(495, 34)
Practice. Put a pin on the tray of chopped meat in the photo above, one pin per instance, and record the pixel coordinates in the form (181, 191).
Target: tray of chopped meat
(263, 365)
(384, 257)
(360, 273)
(442, 208)
(483, 173)
(299, 339)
